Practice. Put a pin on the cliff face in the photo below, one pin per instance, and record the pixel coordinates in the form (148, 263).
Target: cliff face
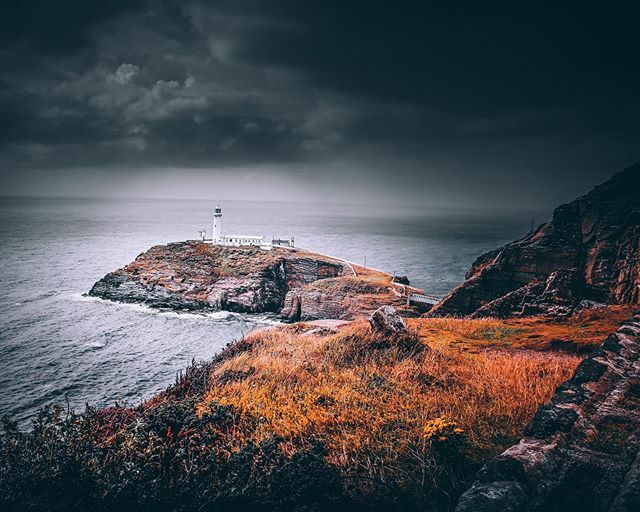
(582, 450)
(587, 252)
(193, 276)
(201, 277)
(340, 298)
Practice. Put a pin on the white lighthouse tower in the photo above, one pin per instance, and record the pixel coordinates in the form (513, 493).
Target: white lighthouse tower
(217, 224)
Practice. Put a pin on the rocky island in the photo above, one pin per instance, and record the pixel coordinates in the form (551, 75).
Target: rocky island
(296, 284)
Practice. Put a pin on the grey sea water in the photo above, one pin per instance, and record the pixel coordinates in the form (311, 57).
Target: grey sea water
(58, 346)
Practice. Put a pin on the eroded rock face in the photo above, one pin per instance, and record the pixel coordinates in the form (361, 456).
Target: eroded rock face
(341, 298)
(199, 276)
(582, 450)
(558, 295)
(587, 252)
(196, 276)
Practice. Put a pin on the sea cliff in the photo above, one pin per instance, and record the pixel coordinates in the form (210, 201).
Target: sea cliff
(586, 255)
(295, 284)
(581, 451)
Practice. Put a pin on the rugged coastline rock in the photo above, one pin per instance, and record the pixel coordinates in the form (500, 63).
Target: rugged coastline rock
(582, 450)
(588, 253)
(341, 298)
(196, 276)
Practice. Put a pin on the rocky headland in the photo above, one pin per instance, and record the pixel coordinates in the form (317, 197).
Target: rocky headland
(295, 284)
(585, 256)
(581, 451)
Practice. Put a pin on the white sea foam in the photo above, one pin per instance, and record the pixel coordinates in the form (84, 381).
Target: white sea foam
(96, 344)
(261, 318)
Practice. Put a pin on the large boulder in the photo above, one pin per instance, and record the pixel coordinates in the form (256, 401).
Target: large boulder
(386, 320)
(494, 497)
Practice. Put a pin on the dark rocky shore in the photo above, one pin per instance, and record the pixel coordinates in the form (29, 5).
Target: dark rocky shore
(195, 276)
(587, 254)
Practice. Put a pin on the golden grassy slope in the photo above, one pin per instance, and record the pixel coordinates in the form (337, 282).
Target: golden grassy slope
(579, 334)
(382, 406)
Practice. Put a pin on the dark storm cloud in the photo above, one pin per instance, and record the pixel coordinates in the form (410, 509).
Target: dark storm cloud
(425, 93)
(56, 26)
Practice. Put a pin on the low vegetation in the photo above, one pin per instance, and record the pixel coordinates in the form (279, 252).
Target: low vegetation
(369, 399)
(289, 419)
(578, 334)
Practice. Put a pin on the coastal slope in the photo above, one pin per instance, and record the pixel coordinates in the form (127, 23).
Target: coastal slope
(581, 451)
(381, 415)
(356, 416)
(588, 253)
(296, 284)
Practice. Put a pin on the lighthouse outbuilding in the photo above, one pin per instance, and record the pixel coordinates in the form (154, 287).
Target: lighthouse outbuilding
(219, 238)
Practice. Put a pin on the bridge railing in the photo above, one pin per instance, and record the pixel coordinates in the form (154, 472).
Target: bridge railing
(424, 298)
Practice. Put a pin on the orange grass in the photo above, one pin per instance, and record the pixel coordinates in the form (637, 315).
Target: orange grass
(380, 405)
(579, 333)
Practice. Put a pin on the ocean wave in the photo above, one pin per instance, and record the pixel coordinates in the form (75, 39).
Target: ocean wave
(95, 345)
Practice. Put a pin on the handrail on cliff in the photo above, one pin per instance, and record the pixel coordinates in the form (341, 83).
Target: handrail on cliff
(423, 298)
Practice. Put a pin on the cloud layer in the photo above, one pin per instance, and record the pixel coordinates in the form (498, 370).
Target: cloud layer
(460, 99)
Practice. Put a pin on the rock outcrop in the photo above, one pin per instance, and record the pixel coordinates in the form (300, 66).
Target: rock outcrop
(386, 320)
(582, 450)
(340, 298)
(197, 276)
(588, 253)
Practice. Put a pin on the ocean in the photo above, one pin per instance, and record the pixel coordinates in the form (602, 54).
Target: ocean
(58, 346)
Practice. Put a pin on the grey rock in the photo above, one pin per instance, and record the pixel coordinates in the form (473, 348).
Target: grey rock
(387, 320)
(499, 496)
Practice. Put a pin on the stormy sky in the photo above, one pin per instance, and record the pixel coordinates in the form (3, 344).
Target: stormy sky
(519, 104)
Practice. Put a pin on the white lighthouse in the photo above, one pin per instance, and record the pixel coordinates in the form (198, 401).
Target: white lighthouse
(217, 224)
(218, 238)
